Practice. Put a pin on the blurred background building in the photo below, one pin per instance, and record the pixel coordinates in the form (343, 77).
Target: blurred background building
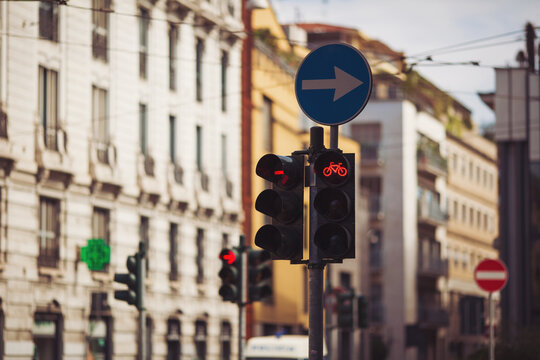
(120, 120)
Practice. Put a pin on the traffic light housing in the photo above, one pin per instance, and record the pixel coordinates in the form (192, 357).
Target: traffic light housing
(134, 280)
(345, 309)
(230, 274)
(284, 203)
(334, 203)
(259, 274)
(362, 304)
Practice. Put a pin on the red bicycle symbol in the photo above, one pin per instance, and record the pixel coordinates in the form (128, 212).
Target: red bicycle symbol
(335, 168)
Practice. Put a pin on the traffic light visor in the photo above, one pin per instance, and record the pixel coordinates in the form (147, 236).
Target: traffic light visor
(283, 206)
(282, 242)
(333, 204)
(284, 171)
(333, 167)
(333, 240)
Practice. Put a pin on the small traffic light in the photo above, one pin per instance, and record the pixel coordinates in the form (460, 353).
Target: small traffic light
(230, 275)
(334, 204)
(345, 309)
(362, 312)
(259, 274)
(134, 280)
(284, 203)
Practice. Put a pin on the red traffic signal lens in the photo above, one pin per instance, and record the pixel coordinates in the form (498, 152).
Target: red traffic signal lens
(227, 255)
(280, 170)
(333, 167)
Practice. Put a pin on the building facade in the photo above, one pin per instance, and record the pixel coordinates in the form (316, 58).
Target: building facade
(120, 121)
(472, 229)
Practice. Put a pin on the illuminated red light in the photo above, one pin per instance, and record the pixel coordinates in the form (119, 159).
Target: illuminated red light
(229, 257)
(279, 172)
(335, 168)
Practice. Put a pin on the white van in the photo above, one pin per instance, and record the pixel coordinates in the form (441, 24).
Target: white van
(284, 347)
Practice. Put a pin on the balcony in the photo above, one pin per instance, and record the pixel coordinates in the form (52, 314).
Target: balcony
(430, 212)
(103, 166)
(432, 316)
(52, 158)
(431, 163)
(179, 194)
(430, 263)
(205, 197)
(371, 154)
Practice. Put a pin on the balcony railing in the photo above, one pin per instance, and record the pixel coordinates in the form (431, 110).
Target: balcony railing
(49, 252)
(149, 165)
(3, 124)
(431, 161)
(205, 181)
(432, 316)
(431, 211)
(432, 266)
(229, 188)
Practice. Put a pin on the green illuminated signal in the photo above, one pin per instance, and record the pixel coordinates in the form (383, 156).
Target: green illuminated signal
(96, 254)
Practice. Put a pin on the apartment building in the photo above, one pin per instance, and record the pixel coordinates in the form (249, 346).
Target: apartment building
(471, 231)
(120, 120)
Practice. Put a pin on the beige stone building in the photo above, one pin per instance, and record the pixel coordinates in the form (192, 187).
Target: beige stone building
(471, 231)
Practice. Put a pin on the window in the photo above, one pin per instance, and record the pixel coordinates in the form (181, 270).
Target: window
(372, 185)
(49, 232)
(200, 256)
(392, 92)
(464, 213)
(456, 256)
(100, 28)
(200, 339)
(149, 328)
(99, 336)
(48, 106)
(491, 181)
(224, 155)
(173, 252)
(144, 237)
(454, 162)
(199, 149)
(226, 336)
(455, 213)
(267, 125)
(173, 39)
(100, 226)
(471, 216)
(48, 20)
(174, 345)
(478, 219)
(143, 129)
(369, 137)
(100, 123)
(345, 280)
(199, 49)
(224, 65)
(463, 166)
(172, 139)
(471, 170)
(478, 174)
(47, 334)
(144, 21)
(485, 222)
(484, 182)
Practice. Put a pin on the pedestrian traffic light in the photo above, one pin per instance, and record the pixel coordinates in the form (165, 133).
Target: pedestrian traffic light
(134, 280)
(334, 204)
(345, 309)
(230, 275)
(259, 274)
(284, 203)
(362, 312)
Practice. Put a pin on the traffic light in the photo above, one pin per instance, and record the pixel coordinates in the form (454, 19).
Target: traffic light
(259, 274)
(334, 205)
(284, 203)
(345, 309)
(362, 312)
(134, 280)
(230, 275)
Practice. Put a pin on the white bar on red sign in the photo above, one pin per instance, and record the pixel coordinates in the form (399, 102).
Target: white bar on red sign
(490, 275)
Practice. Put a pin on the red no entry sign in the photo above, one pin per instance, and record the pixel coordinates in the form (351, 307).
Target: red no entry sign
(491, 275)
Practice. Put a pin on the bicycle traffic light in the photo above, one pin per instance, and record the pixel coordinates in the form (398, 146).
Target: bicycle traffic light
(345, 309)
(134, 280)
(362, 312)
(284, 203)
(230, 275)
(334, 204)
(259, 274)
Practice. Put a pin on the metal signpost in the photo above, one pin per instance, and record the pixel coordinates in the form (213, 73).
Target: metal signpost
(491, 275)
(333, 85)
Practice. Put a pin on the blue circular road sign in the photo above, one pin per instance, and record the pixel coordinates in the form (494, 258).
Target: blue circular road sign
(333, 84)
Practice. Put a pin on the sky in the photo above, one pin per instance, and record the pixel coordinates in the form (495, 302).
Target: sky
(421, 26)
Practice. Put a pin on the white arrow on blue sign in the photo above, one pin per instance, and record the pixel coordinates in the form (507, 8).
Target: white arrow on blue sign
(333, 84)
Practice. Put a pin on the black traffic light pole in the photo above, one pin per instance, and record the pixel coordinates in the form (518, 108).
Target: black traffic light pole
(242, 300)
(315, 264)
